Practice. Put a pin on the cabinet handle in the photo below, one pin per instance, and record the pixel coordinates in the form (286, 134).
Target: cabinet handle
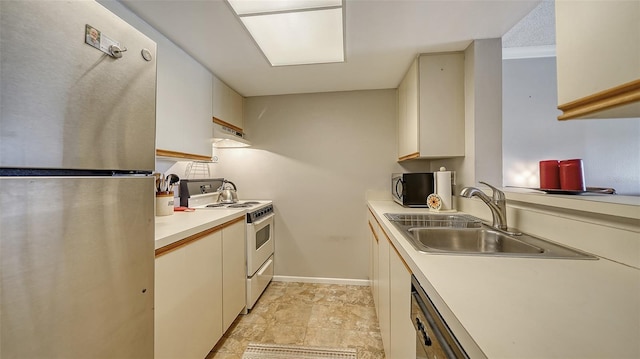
(264, 267)
(398, 194)
(427, 340)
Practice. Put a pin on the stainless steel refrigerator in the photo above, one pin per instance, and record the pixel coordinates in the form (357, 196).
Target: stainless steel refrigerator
(77, 145)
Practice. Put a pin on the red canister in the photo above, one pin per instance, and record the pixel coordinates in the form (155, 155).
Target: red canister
(549, 174)
(572, 175)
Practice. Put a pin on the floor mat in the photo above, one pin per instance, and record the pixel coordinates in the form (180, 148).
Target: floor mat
(274, 351)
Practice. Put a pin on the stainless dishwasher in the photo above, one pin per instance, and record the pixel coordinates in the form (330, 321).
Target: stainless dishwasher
(433, 337)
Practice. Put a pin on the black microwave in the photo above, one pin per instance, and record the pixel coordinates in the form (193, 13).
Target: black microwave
(412, 189)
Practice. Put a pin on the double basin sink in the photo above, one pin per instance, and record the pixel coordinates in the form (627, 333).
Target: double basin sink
(467, 235)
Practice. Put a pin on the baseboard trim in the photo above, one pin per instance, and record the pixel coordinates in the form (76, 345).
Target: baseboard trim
(343, 281)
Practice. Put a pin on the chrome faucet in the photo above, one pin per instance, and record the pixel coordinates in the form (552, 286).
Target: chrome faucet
(497, 204)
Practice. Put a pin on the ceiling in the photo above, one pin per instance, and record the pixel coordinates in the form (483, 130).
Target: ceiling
(538, 28)
(382, 38)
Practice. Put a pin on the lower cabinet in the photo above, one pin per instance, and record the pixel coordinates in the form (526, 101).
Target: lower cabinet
(188, 304)
(403, 335)
(199, 290)
(374, 263)
(384, 293)
(391, 286)
(234, 278)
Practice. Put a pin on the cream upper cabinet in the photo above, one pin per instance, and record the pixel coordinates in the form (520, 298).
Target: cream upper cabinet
(227, 104)
(598, 58)
(183, 106)
(408, 126)
(431, 108)
(183, 95)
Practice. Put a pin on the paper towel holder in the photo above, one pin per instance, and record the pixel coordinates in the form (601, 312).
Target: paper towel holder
(444, 189)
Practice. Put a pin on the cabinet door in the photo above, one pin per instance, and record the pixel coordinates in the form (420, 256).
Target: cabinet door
(391, 285)
(401, 327)
(237, 109)
(408, 128)
(183, 107)
(188, 304)
(233, 272)
(227, 104)
(384, 295)
(441, 105)
(598, 50)
(431, 108)
(374, 267)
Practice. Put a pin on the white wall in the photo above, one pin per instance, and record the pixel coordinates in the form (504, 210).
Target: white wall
(610, 148)
(316, 156)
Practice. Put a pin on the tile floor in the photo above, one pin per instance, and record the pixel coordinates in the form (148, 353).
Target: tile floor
(324, 315)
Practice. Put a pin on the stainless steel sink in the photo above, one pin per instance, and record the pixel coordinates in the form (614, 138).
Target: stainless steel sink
(467, 235)
(469, 240)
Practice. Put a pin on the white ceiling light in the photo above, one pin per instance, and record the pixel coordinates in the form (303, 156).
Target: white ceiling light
(295, 32)
(245, 7)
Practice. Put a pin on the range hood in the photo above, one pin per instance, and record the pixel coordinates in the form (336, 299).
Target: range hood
(228, 136)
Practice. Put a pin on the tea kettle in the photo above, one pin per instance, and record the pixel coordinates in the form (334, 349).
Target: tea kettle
(228, 193)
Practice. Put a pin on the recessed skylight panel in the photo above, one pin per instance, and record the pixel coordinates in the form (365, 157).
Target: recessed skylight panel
(295, 32)
(297, 38)
(244, 7)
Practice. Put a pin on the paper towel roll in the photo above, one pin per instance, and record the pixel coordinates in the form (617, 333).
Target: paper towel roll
(443, 188)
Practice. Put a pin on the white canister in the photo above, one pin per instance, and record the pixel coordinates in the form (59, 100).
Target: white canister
(444, 180)
(164, 203)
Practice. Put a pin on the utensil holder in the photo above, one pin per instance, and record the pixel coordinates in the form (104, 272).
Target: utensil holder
(164, 203)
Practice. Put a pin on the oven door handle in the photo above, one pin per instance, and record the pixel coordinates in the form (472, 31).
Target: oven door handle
(262, 220)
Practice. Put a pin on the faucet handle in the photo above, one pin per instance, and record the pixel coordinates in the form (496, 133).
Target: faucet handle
(497, 194)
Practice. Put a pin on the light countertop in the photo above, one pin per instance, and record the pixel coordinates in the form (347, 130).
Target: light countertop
(613, 205)
(528, 307)
(179, 225)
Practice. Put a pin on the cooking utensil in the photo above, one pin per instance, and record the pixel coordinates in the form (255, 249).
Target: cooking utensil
(170, 180)
(228, 194)
(158, 181)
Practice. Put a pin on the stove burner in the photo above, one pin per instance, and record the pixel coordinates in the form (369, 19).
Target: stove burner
(214, 205)
(230, 205)
(239, 205)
